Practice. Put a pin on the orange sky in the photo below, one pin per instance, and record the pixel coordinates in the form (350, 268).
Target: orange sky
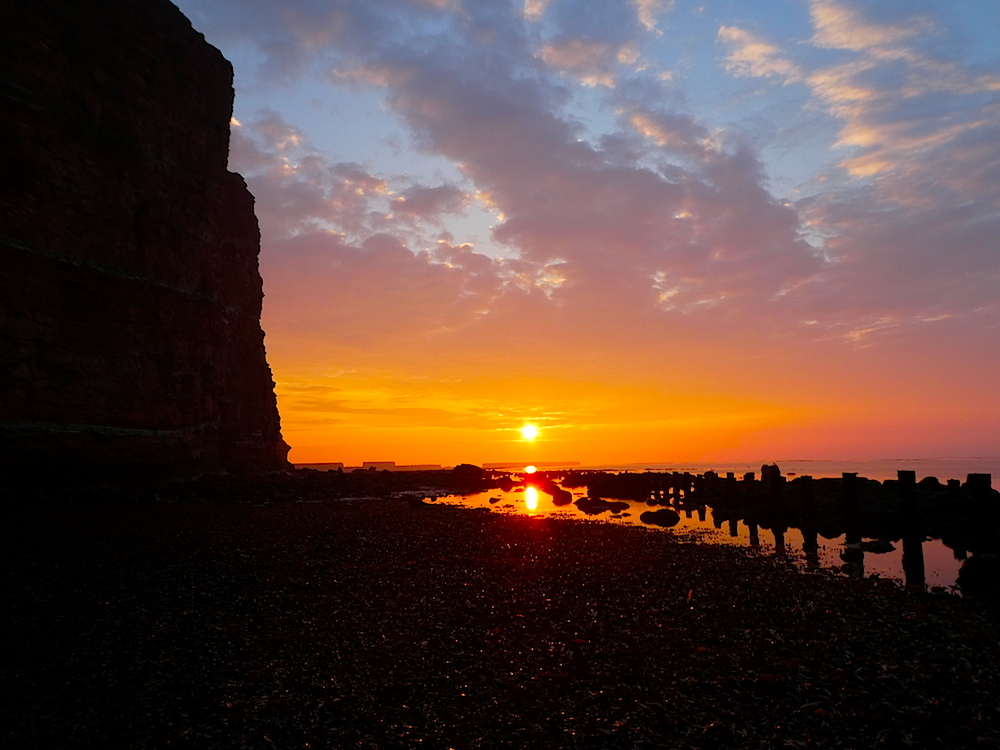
(736, 401)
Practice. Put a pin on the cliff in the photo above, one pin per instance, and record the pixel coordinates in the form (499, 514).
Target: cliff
(130, 339)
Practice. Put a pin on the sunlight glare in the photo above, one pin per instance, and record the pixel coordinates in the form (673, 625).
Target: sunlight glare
(530, 469)
(531, 498)
(529, 432)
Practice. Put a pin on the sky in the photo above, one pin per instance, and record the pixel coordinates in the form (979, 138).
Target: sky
(657, 231)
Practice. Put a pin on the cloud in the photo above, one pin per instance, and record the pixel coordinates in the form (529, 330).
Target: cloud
(908, 232)
(429, 203)
(608, 242)
(840, 25)
(647, 10)
(298, 190)
(658, 223)
(751, 56)
(535, 9)
(589, 61)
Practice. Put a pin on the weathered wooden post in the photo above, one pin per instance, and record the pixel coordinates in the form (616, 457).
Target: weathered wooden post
(772, 481)
(980, 573)
(980, 492)
(810, 538)
(980, 489)
(913, 534)
(853, 555)
(709, 486)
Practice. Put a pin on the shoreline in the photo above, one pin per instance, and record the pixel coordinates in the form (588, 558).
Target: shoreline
(381, 623)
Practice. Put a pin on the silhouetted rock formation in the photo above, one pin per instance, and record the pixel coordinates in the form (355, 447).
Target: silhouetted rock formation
(130, 341)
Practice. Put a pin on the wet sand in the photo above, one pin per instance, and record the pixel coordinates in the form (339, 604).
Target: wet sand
(382, 624)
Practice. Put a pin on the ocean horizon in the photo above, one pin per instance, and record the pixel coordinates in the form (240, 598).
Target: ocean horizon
(880, 469)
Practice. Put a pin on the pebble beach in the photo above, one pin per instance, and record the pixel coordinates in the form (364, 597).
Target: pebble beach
(389, 623)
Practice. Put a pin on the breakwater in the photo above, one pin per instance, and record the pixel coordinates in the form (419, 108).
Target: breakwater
(928, 533)
(870, 515)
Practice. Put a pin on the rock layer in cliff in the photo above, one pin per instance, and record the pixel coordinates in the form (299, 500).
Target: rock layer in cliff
(130, 297)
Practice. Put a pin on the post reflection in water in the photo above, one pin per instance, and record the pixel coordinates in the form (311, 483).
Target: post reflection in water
(779, 541)
(531, 498)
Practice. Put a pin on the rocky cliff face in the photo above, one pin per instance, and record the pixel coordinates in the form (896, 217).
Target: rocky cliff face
(130, 298)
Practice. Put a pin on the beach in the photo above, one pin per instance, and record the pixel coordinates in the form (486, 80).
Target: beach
(390, 623)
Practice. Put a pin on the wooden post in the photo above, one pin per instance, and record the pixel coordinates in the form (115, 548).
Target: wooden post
(913, 534)
(810, 538)
(853, 556)
(980, 491)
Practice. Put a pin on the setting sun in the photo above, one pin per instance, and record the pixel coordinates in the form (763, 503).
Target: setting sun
(530, 469)
(529, 432)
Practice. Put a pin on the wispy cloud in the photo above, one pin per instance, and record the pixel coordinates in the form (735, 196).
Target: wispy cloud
(751, 56)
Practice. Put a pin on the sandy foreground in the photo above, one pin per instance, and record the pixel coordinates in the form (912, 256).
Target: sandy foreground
(381, 624)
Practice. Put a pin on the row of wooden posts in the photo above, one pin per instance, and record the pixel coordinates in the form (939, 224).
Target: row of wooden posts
(689, 492)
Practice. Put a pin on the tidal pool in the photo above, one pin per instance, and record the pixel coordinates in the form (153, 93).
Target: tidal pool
(874, 557)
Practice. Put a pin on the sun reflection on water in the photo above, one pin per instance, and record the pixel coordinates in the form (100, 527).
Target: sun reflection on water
(531, 498)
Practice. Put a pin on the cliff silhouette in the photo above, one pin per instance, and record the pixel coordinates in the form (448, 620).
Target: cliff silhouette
(130, 297)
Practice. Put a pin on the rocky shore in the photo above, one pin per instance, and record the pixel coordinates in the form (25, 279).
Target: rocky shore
(386, 623)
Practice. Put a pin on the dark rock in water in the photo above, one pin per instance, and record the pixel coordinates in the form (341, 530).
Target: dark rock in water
(663, 517)
(494, 500)
(562, 498)
(469, 471)
(593, 506)
(980, 574)
(878, 546)
(130, 298)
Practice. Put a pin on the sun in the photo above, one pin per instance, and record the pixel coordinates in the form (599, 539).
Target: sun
(529, 432)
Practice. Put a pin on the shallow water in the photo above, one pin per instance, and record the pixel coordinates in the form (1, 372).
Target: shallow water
(941, 567)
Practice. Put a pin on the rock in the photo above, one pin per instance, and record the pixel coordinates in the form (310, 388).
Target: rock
(663, 517)
(980, 574)
(561, 498)
(469, 472)
(594, 505)
(878, 546)
(130, 297)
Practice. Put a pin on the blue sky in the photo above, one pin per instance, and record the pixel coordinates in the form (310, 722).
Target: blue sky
(800, 200)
